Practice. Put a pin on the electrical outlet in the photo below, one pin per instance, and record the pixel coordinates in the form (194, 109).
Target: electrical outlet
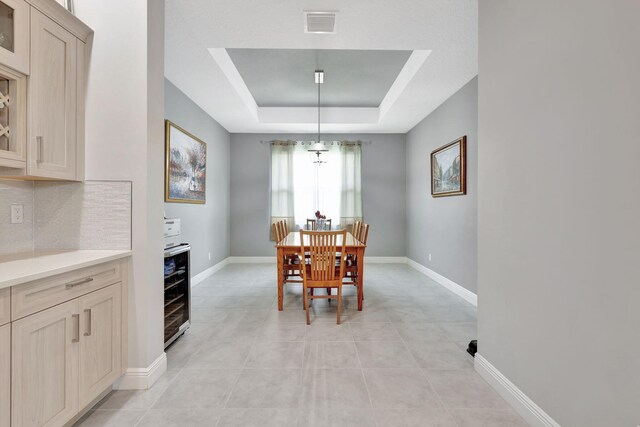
(429, 257)
(17, 214)
(209, 256)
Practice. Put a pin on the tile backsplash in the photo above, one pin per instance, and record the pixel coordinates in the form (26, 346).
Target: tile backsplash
(89, 215)
(16, 237)
(66, 215)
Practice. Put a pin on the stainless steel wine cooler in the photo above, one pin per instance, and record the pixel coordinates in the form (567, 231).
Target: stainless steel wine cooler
(177, 292)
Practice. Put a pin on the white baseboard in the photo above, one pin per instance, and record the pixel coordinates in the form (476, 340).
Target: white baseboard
(462, 292)
(142, 378)
(251, 259)
(208, 272)
(385, 259)
(526, 407)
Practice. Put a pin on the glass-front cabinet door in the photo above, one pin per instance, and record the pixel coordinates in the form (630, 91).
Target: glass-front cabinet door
(13, 118)
(14, 34)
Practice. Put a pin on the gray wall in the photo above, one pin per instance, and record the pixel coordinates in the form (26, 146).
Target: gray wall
(383, 192)
(446, 227)
(559, 238)
(206, 227)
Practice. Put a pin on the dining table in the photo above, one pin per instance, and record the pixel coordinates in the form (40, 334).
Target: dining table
(291, 245)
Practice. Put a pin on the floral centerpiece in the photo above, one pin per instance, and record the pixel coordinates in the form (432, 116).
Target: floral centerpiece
(321, 221)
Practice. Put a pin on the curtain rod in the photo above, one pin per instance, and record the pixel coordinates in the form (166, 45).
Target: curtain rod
(335, 142)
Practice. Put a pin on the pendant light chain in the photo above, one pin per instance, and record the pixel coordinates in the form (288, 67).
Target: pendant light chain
(319, 80)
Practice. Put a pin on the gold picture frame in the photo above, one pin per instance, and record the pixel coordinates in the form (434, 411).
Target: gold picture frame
(449, 169)
(185, 173)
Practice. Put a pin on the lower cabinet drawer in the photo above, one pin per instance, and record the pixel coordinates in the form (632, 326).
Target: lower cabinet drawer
(5, 307)
(35, 296)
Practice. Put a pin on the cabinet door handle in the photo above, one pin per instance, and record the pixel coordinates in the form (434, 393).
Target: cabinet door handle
(77, 319)
(88, 311)
(79, 282)
(40, 147)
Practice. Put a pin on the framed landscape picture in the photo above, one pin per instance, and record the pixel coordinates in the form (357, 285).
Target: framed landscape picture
(449, 169)
(185, 175)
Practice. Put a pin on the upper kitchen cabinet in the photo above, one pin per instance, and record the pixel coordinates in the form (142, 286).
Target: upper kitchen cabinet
(45, 138)
(13, 118)
(52, 137)
(14, 34)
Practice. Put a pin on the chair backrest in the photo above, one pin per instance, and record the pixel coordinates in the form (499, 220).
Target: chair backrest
(355, 230)
(323, 246)
(363, 233)
(280, 229)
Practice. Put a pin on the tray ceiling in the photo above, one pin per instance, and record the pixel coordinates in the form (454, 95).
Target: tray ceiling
(388, 65)
(285, 77)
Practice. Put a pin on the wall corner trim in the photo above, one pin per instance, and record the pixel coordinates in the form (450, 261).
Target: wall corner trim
(532, 413)
(461, 291)
(208, 272)
(142, 378)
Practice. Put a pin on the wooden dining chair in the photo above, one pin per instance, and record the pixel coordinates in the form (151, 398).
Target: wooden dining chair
(351, 263)
(355, 229)
(291, 262)
(323, 271)
(363, 233)
(278, 230)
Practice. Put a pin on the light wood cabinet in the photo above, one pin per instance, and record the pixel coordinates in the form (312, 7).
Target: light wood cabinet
(44, 367)
(100, 344)
(14, 34)
(13, 118)
(5, 375)
(43, 79)
(5, 306)
(59, 359)
(52, 100)
(29, 298)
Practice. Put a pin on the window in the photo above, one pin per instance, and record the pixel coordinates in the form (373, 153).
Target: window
(316, 186)
(299, 187)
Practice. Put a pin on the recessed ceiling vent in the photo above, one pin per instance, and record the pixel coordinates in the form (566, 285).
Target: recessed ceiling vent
(320, 22)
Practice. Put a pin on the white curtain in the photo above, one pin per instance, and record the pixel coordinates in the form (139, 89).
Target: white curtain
(282, 184)
(351, 186)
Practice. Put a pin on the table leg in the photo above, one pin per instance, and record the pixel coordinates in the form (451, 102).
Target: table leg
(360, 277)
(280, 259)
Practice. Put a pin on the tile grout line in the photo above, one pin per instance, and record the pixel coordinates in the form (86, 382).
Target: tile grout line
(424, 375)
(246, 360)
(366, 386)
(168, 385)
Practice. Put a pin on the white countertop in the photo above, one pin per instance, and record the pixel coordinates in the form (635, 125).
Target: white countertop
(27, 266)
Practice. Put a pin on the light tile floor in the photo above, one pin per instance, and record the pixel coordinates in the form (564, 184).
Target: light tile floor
(399, 362)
